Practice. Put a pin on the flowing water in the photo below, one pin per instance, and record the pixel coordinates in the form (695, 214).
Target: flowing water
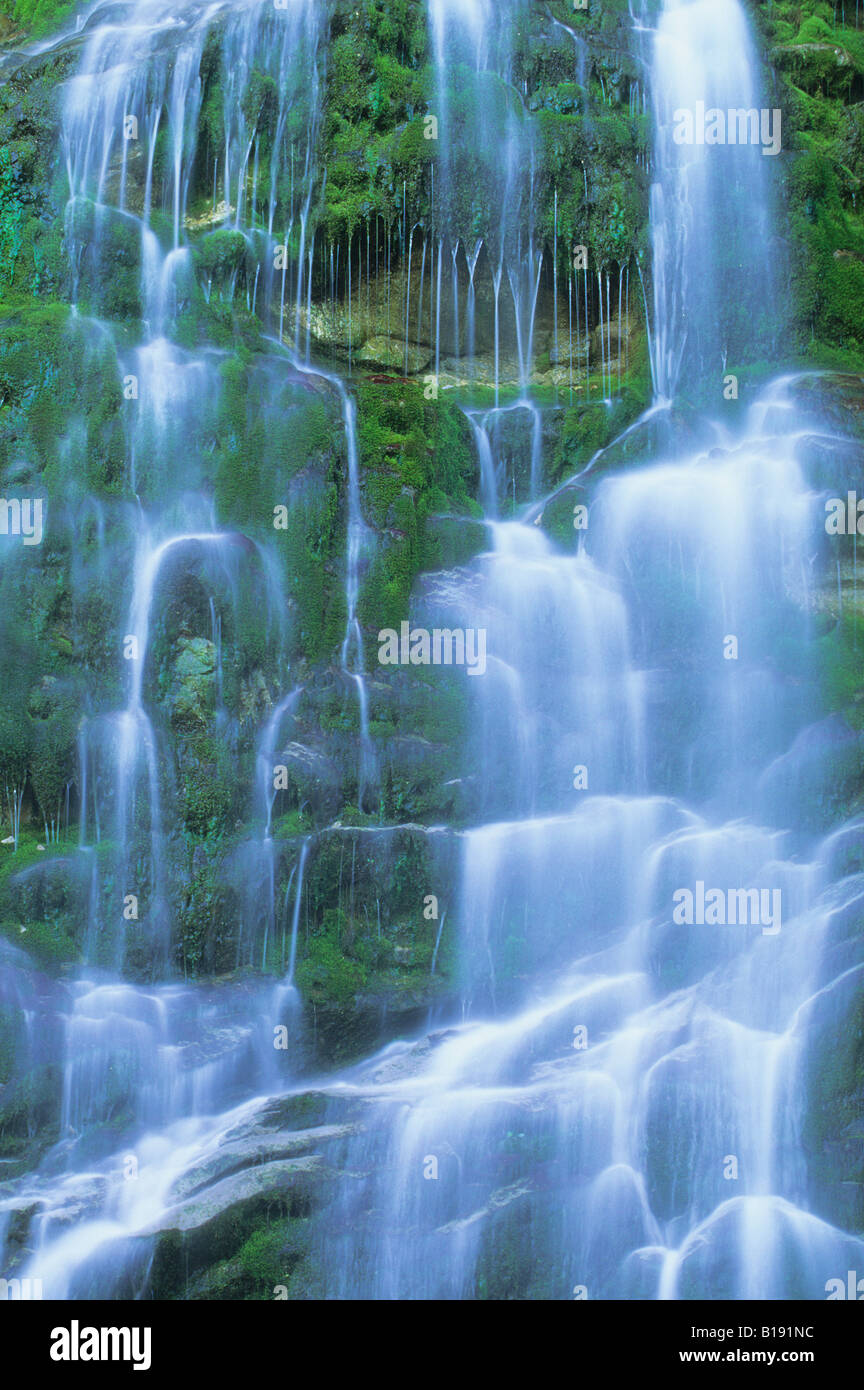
(711, 203)
(637, 1060)
(618, 1104)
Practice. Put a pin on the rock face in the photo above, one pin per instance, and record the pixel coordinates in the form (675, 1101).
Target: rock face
(194, 683)
(264, 1182)
(252, 804)
(819, 776)
(832, 1128)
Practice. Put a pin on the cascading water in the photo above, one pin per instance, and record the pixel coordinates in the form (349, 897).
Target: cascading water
(715, 254)
(165, 1058)
(486, 133)
(357, 558)
(619, 1097)
(674, 1136)
(696, 1034)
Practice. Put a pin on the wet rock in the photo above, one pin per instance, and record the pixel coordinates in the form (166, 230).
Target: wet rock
(798, 1253)
(830, 465)
(194, 683)
(389, 354)
(108, 245)
(315, 777)
(812, 784)
(455, 540)
(19, 1214)
(833, 1024)
(834, 399)
(251, 1150)
(619, 1222)
(209, 1226)
(638, 1278)
(222, 254)
(305, 1109)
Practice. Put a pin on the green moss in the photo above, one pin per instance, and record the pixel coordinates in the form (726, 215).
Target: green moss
(326, 974)
(53, 756)
(39, 17)
(378, 87)
(416, 458)
(11, 217)
(820, 65)
(274, 1257)
(47, 943)
(9, 1030)
(208, 918)
(209, 792)
(42, 899)
(221, 254)
(16, 745)
(30, 342)
(28, 1114)
(507, 1267)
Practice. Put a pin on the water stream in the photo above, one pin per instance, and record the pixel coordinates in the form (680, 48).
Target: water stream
(633, 732)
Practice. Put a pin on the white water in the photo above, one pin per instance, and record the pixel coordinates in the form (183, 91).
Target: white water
(715, 257)
(696, 1035)
(607, 1164)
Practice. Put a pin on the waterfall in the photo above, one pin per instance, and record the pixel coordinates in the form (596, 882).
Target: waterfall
(711, 213)
(454, 251)
(496, 282)
(358, 541)
(488, 476)
(295, 917)
(486, 144)
(630, 951)
(572, 882)
(471, 257)
(135, 730)
(630, 779)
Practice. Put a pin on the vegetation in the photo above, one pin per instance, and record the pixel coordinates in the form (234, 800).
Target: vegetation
(167, 391)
